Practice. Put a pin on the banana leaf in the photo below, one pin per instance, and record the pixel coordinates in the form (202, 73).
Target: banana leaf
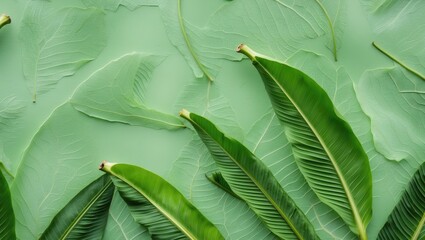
(7, 217)
(407, 221)
(253, 182)
(326, 150)
(85, 216)
(159, 206)
(217, 179)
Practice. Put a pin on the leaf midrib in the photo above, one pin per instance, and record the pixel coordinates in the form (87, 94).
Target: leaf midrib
(355, 211)
(85, 209)
(259, 186)
(160, 209)
(419, 228)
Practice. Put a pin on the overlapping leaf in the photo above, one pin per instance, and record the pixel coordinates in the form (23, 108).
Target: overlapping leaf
(159, 206)
(85, 216)
(331, 159)
(121, 224)
(250, 179)
(116, 93)
(7, 216)
(407, 221)
(53, 49)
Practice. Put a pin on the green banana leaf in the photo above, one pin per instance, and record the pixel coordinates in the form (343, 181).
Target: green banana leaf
(7, 217)
(407, 221)
(158, 205)
(325, 148)
(217, 179)
(252, 181)
(85, 216)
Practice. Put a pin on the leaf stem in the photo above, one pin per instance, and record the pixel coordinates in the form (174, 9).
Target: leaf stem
(106, 166)
(244, 49)
(189, 45)
(397, 61)
(4, 20)
(331, 27)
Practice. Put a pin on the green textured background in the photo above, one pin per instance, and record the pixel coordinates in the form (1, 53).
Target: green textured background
(54, 150)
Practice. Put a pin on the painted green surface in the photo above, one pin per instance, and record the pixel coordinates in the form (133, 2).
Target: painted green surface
(53, 150)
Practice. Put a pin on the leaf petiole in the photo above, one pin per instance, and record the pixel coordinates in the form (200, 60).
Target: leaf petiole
(4, 20)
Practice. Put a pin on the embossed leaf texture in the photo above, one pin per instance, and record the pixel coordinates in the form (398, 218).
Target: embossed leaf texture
(159, 206)
(85, 216)
(113, 5)
(407, 221)
(251, 180)
(53, 49)
(10, 112)
(400, 32)
(7, 217)
(116, 93)
(395, 97)
(54, 168)
(331, 159)
(203, 48)
(267, 25)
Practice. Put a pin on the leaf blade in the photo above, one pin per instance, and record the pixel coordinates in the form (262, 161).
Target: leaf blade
(167, 213)
(250, 179)
(324, 155)
(407, 220)
(7, 216)
(75, 220)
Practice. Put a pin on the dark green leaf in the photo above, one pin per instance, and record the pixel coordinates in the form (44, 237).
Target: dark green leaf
(85, 216)
(159, 206)
(252, 181)
(407, 220)
(326, 150)
(217, 179)
(7, 217)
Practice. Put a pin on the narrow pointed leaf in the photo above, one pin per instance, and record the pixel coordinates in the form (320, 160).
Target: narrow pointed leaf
(252, 181)
(85, 216)
(158, 205)
(217, 179)
(407, 221)
(325, 148)
(7, 217)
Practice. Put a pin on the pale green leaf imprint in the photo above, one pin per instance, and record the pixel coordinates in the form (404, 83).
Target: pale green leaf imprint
(407, 221)
(116, 93)
(186, 39)
(331, 27)
(60, 156)
(331, 159)
(399, 32)
(250, 179)
(394, 99)
(52, 50)
(377, 46)
(113, 5)
(158, 205)
(85, 216)
(7, 216)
